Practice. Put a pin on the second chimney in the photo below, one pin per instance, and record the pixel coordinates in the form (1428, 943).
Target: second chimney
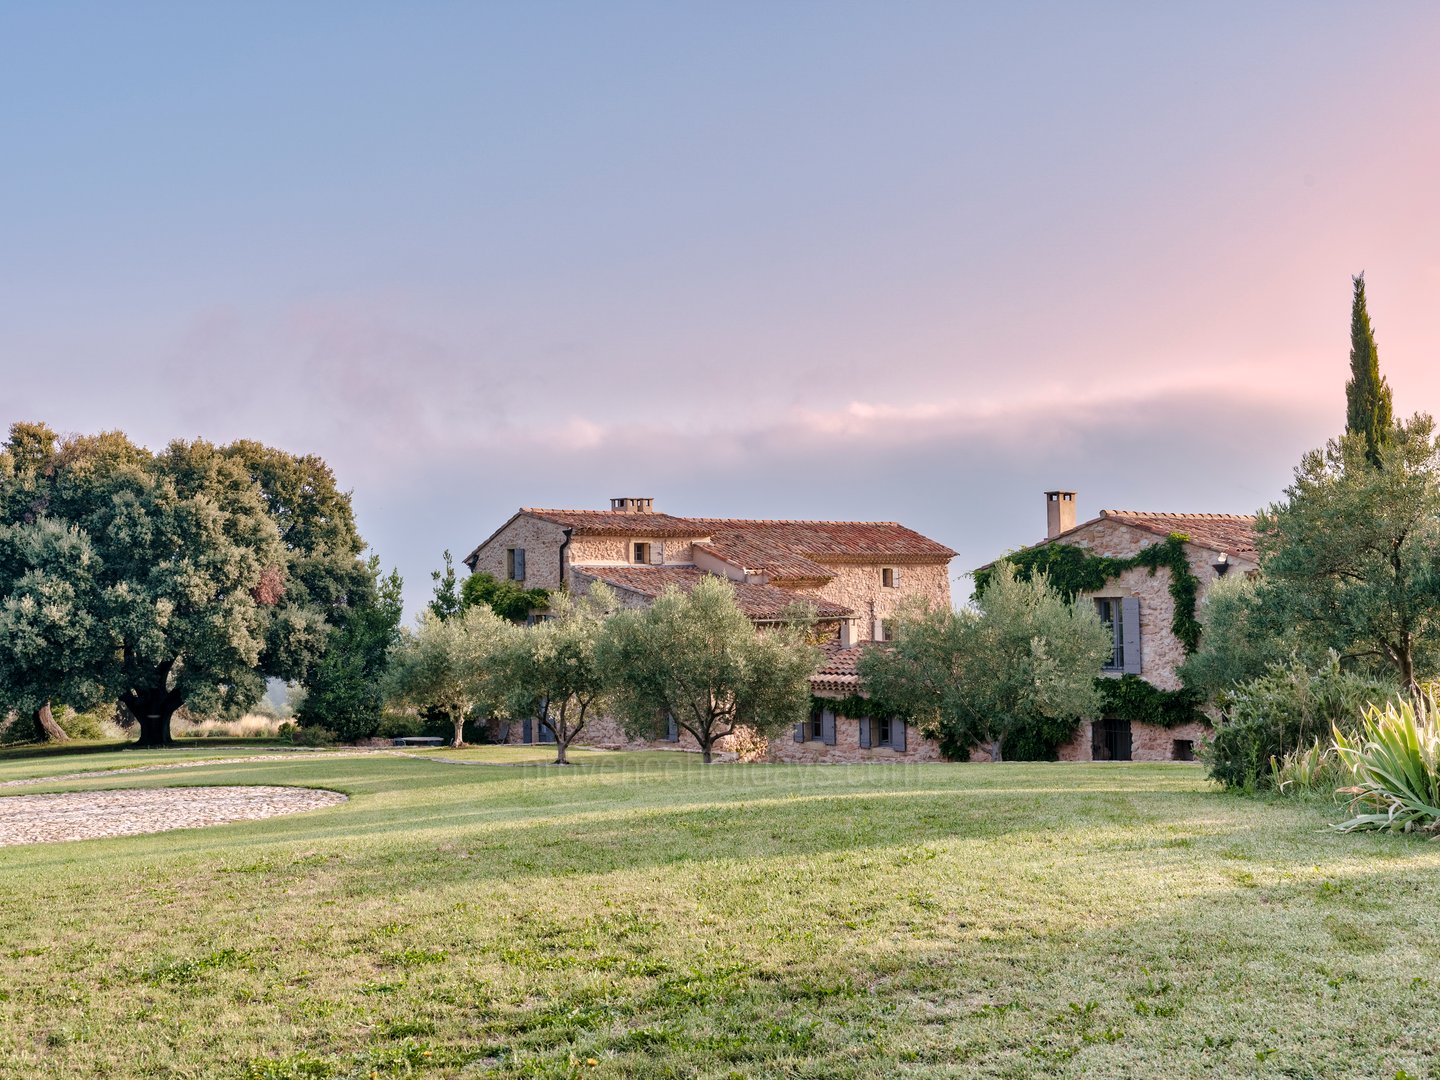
(632, 505)
(1059, 513)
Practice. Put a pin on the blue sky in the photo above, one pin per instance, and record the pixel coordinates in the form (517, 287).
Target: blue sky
(914, 261)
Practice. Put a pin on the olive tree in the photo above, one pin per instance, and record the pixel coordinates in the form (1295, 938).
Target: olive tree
(450, 667)
(550, 671)
(696, 659)
(1014, 671)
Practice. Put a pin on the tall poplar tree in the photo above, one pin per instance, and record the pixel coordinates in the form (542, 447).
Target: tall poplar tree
(1367, 394)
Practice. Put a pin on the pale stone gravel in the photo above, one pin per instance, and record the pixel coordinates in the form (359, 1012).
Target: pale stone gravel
(89, 815)
(100, 774)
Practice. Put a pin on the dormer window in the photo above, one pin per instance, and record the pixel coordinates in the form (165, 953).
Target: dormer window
(646, 552)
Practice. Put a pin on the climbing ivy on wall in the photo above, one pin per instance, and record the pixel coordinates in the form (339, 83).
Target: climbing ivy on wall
(1132, 698)
(852, 705)
(1073, 570)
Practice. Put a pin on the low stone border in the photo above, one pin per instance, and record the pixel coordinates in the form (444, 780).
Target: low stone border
(90, 815)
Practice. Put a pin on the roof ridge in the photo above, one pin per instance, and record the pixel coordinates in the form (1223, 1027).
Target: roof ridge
(1176, 514)
(688, 517)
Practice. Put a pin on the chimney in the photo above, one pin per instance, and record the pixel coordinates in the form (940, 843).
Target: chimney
(1059, 513)
(631, 505)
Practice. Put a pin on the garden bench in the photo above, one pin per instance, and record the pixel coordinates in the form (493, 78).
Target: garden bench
(419, 740)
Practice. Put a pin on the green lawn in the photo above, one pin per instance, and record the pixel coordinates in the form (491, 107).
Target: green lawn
(540, 754)
(655, 917)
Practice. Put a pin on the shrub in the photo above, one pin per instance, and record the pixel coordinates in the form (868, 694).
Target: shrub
(249, 726)
(297, 735)
(96, 723)
(1395, 759)
(749, 744)
(1286, 709)
(1309, 770)
(397, 725)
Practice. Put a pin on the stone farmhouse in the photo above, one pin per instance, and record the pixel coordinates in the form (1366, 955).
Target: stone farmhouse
(1138, 607)
(855, 573)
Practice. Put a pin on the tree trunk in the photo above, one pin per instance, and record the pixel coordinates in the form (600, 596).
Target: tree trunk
(154, 710)
(562, 746)
(995, 754)
(1407, 673)
(50, 731)
(155, 728)
(705, 751)
(459, 740)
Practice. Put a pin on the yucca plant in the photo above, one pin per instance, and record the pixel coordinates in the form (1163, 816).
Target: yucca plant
(1395, 760)
(1308, 769)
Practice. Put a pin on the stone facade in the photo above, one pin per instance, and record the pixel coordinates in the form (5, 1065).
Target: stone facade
(847, 748)
(1161, 652)
(541, 541)
(859, 587)
(1148, 742)
(606, 733)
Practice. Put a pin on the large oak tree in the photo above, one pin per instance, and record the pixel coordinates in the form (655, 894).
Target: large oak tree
(209, 568)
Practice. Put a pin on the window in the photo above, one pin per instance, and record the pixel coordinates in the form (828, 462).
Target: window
(1111, 613)
(641, 552)
(819, 728)
(515, 564)
(882, 731)
(887, 577)
(1183, 750)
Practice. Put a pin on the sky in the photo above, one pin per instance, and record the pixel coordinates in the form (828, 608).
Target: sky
(874, 261)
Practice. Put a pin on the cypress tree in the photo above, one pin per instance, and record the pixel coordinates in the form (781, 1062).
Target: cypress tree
(1367, 394)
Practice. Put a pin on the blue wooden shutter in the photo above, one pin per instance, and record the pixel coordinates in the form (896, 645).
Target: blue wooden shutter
(897, 734)
(799, 732)
(1130, 633)
(519, 564)
(527, 730)
(865, 733)
(827, 727)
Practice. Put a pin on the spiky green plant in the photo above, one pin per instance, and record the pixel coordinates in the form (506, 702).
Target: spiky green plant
(1395, 759)
(1307, 770)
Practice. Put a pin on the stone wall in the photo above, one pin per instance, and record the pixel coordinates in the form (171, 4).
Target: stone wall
(858, 587)
(677, 551)
(1148, 742)
(541, 541)
(1161, 652)
(847, 748)
(606, 733)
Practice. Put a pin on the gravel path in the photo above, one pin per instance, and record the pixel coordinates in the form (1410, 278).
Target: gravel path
(87, 815)
(97, 774)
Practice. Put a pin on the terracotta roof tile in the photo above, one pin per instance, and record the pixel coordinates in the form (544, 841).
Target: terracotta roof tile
(759, 602)
(821, 539)
(785, 550)
(755, 555)
(1231, 533)
(616, 522)
(838, 671)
